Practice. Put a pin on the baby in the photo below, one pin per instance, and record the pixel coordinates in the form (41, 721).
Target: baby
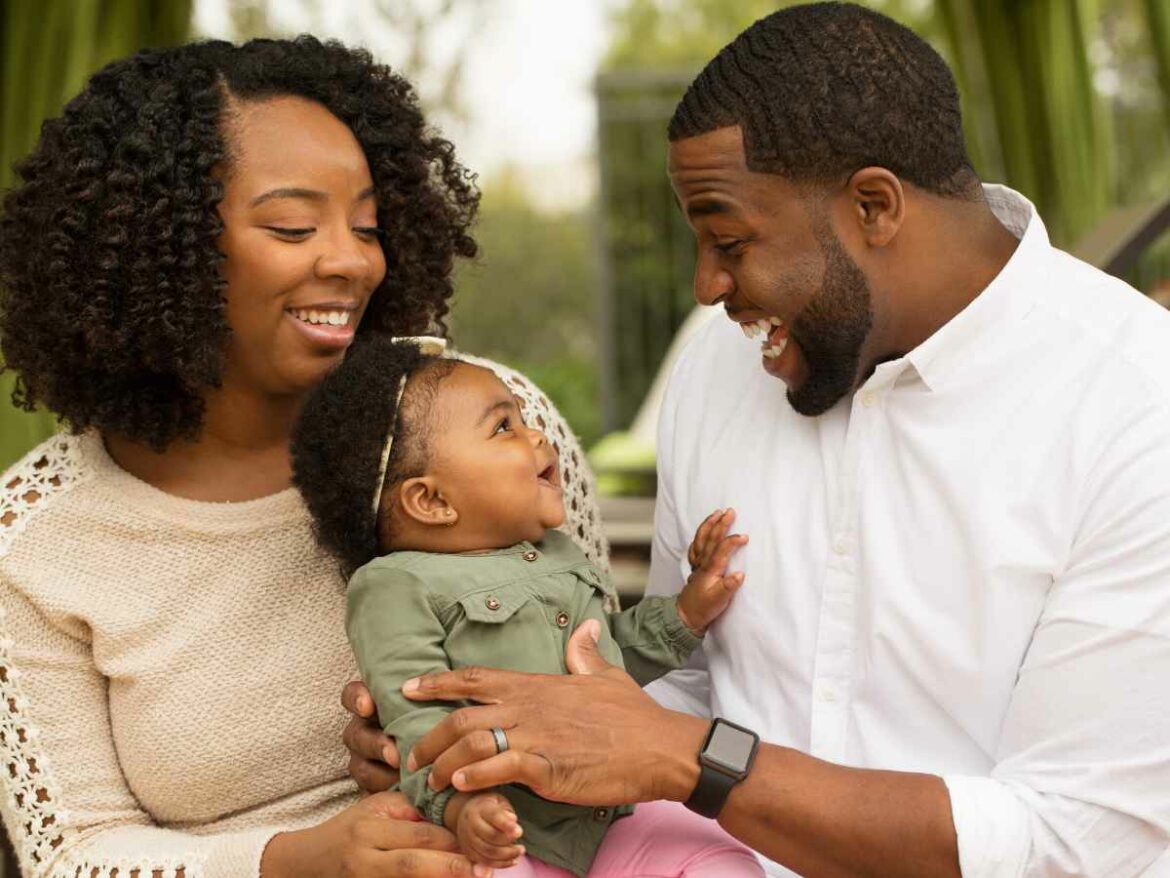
(440, 503)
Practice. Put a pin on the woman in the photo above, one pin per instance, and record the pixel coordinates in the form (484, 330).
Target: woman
(195, 243)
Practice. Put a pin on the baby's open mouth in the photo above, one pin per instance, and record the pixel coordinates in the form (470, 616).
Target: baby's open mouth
(550, 476)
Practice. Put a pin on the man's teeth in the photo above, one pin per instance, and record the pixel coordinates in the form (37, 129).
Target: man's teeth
(760, 327)
(328, 318)
(775, 350)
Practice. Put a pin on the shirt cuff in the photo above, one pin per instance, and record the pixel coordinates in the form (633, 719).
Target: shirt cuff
(992, 826)
(680, 638)
(437, 806)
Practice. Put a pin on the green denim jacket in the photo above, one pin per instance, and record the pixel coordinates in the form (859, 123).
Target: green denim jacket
(412, 613)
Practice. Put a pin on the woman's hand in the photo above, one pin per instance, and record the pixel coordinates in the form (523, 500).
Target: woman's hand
(590, 738)
(379, 837)
(373, 757)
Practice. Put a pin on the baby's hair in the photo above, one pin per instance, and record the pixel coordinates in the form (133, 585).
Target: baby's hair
(338, 441)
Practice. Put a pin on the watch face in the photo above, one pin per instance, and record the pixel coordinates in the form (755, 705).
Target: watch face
(730, 747)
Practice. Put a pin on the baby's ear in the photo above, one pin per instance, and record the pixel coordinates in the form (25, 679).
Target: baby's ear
(422, 501)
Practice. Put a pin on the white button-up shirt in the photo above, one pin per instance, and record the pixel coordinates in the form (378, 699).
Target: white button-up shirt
(961, 569)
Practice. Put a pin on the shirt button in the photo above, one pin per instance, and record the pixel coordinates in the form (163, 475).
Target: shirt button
(828, 695)
(562, 619)
(531, 555)
(492, 603)
(868, 399)
(600, 814)
(840, 547)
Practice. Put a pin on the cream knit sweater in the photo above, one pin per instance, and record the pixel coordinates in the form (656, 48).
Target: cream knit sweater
(171, 669)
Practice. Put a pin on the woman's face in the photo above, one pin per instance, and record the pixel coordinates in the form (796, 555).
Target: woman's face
(301, 241)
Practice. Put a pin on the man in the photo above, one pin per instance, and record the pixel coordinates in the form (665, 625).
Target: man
(954, 634)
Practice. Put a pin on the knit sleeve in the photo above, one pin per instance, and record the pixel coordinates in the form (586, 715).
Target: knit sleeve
(582, 515)
(65, 802)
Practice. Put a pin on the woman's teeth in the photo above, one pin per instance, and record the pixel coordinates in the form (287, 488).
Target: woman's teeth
(330, 318)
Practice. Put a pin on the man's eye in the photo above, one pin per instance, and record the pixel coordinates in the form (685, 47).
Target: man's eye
(729, 247)
(504, 426)
(290, 233)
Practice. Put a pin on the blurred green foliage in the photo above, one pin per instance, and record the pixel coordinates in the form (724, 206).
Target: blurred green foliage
(528, 299)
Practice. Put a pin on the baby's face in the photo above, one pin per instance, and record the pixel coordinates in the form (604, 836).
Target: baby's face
(502, 477)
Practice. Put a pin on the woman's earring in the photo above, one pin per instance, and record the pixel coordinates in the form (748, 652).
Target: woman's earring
(448, 513)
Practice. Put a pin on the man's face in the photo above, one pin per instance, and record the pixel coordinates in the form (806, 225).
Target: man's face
(767, 252)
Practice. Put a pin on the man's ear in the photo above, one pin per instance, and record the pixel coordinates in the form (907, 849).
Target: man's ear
(423, 502)
(877, 204)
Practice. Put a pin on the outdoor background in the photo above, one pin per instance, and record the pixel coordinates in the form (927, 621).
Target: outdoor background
(561, 106)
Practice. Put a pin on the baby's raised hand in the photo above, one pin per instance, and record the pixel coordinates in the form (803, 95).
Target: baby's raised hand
(487, 830)
(710, 587)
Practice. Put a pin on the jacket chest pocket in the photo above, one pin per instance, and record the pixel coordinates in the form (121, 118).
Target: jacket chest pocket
(505, 627)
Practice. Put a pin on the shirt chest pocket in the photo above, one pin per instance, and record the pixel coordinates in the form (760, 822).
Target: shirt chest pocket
(505, 627)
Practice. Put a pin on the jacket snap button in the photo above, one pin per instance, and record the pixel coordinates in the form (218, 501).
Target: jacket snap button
(600, 814)
(562, 619)
(530, 556)
(492, 603)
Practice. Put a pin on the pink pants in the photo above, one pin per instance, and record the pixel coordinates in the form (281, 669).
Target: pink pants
(660, 840)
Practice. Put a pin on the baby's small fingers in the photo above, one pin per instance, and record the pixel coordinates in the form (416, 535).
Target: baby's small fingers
(490, 833)
(721, 557)
(504, 821)
(697, 550)
(713, 531)
(497, 856)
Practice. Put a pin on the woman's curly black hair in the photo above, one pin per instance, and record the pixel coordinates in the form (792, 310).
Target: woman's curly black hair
(111, 298)
(338, 440)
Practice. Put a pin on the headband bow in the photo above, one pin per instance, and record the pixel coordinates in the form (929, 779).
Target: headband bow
(431, 346)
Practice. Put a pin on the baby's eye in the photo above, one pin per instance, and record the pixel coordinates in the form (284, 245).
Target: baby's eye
(504, 426)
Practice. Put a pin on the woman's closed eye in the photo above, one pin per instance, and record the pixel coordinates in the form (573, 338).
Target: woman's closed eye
(300, 234)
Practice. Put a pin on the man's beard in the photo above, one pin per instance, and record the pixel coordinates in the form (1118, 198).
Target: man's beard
(831, 330)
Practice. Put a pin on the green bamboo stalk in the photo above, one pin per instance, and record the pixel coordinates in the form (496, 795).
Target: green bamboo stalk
(1158, 17)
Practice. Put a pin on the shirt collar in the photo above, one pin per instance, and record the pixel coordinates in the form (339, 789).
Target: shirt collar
(935, 358)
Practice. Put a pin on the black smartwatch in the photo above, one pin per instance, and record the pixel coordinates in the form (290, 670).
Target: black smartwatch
(725, 759)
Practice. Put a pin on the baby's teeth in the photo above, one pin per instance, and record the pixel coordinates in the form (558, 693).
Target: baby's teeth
(776, 321)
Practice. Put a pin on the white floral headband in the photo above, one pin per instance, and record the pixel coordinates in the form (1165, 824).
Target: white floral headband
(431, 346)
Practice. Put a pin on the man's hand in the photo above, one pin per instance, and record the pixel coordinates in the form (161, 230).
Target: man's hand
(590, 738)
(710, 587)
(373, 757)
(487, 829)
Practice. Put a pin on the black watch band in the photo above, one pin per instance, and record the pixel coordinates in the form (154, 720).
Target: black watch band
(725, 759)
(712, 791)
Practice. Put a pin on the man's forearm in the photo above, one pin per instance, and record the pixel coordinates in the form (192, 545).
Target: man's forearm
(828, 821)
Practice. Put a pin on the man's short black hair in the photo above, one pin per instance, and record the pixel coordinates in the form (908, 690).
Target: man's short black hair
(823, 90)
